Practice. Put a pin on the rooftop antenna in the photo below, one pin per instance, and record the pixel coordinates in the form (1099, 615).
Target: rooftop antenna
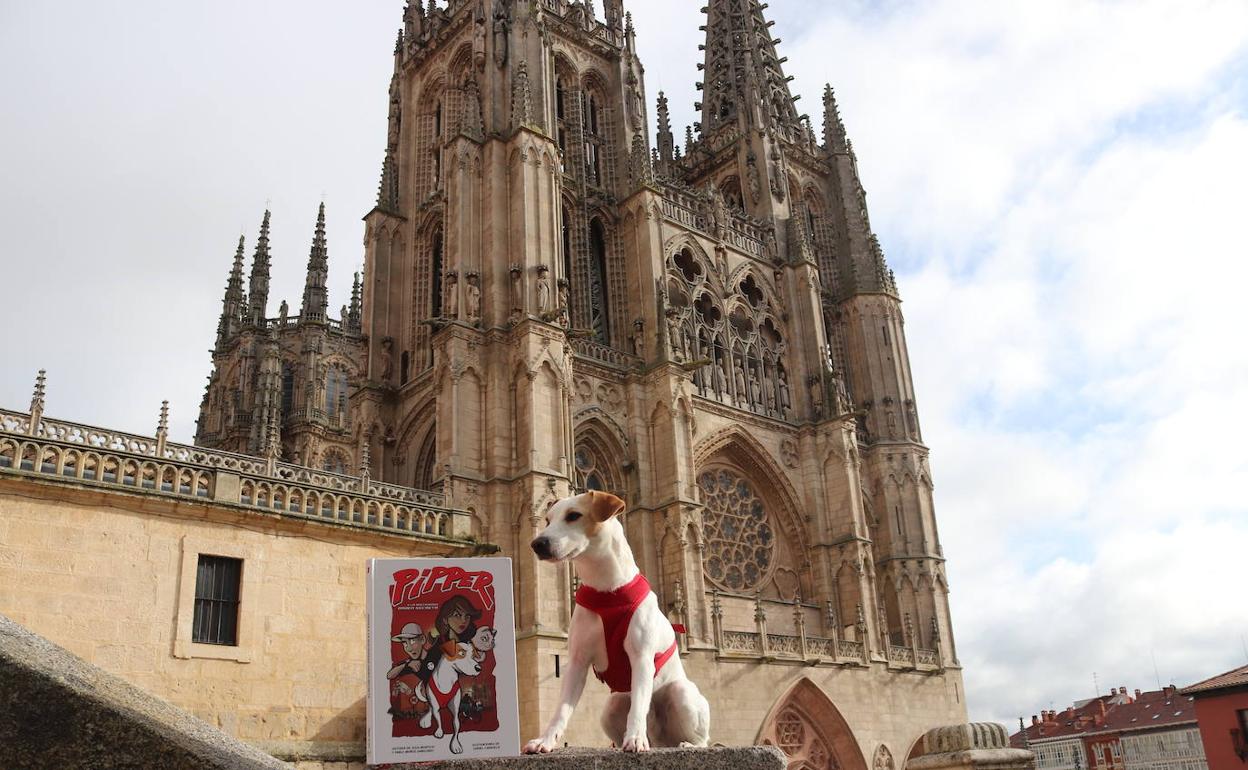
(1155, 672)
(1244, 644)
(1096, 685)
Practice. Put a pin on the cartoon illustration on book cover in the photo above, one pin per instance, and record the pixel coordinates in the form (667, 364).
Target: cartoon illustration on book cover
(442, 682)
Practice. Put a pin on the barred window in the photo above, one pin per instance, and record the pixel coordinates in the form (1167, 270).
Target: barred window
(217, 584)
(740, 544)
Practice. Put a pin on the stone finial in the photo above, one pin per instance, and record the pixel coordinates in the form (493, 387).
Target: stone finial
(717, 609)
(36, 402)
(273, 447)
(258, 283)
(315, 295)
(760, 615)
(388, 187)
(834, 139)
(366, 461)
(162, 428)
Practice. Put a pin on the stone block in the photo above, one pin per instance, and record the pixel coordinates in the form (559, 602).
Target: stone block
(56, 710)
(746, 758)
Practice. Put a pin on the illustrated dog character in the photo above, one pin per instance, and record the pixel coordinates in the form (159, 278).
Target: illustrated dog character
(442, 691)
(482, 642)
(618, 629)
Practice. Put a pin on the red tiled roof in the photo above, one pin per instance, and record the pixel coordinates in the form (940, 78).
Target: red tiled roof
(1151, 710)
(1234, 678)
(1159, 708)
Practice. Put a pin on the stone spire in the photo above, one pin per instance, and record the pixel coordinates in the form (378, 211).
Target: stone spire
(834, 140)
(388, 189)
(37, 402)
(744, 83)
(258, 286)
(232, 304)
(354, 311)
(666, 142)
(315, 296)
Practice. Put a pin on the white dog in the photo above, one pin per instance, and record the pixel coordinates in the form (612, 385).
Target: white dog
(443, 691)
(618, 629)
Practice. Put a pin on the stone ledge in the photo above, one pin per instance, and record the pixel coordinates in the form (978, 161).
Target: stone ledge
(746, 758)
(57, 710)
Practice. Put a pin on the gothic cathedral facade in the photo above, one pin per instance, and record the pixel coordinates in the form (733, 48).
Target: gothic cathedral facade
(553, 299)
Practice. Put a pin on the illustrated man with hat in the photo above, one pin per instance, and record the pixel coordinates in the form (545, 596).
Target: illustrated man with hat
(412, 637)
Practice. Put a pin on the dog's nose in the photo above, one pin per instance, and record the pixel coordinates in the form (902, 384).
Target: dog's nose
(541, 547)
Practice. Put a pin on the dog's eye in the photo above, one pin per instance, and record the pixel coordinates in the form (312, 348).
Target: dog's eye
(573, 516)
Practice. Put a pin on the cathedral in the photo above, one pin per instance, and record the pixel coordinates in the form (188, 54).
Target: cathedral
(555, 299)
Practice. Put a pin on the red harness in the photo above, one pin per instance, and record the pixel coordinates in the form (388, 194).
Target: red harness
(616, 609)
(443, 699)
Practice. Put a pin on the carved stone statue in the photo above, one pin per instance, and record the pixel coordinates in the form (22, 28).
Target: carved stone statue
(478, 35)
(786, 398)
(675, 339)
(450, 307)
(474, 296)
(816, 396)
(283, 312)
(517, 292)
(502, 23)
(756, 391)
(387, 358)
(563, 303)
(639, 340)
(769, 393)
(543, 290)
(718, 381)
(738, 377)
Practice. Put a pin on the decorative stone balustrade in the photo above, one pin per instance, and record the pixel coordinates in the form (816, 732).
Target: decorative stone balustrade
(603, 354)
(85, 455)
(761, 644)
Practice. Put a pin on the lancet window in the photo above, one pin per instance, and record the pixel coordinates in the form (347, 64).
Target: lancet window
(593, 140)
(335, 392)
(435, 268)
(288, 389)
(599, 310)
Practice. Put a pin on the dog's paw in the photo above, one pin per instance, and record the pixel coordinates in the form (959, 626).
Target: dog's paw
(539, 746)
(438, 733)
(636, 743)
(456, 746)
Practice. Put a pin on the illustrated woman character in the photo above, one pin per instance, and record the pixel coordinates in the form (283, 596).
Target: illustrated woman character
(456, 622)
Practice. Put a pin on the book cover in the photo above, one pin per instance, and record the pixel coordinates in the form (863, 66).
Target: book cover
(441, 660)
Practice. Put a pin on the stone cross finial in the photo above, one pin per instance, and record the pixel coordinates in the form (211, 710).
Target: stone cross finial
(162, 427)
(36, 402)
(365, 464)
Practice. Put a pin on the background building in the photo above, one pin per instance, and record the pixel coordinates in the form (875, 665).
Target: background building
(1222, 712)
(1145, 731)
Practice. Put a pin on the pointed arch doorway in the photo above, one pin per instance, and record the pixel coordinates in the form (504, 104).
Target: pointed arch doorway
(809, 729)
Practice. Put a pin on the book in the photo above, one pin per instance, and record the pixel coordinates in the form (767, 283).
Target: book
(441, 660)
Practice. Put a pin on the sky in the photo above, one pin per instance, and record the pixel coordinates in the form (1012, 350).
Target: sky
(1059, 185)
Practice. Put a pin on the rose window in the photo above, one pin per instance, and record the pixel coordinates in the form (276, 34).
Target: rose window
(740, 546)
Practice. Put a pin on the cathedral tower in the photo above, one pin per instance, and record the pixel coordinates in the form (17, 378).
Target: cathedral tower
(552, 301)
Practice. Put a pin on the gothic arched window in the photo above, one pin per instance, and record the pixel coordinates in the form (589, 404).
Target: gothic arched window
(561, 114)
(288, 390)
(593, 142)
(335, 461)
(740, 543)
(588, 475)
(335, 392)
(567, 243)
(435, 276)
(599, 309)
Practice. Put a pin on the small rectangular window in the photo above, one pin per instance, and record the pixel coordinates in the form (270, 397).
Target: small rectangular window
(217, 584)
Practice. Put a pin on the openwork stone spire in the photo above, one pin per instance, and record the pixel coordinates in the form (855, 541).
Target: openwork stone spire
(258, 286)
(354, 311)
(388, 189)
(744, 80)
(833, 129)
(232, 304)
(315, 296)
(666, 142)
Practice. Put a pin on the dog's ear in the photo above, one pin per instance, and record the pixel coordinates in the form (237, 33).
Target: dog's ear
(604, 505)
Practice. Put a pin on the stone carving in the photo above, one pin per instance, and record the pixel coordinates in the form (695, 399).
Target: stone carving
(563, 309)
(502, 24)
(473, 291)
(387, 359)
(543, 290)
(517, 292)
(450, 305)
(788, 453)
(883, 759)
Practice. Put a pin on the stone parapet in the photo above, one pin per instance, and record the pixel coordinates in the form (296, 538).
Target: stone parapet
(57, 710)
(721, 758)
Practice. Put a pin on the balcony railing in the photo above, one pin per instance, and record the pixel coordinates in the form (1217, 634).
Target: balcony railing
(762, 644)
(85, 455)
(604, 354)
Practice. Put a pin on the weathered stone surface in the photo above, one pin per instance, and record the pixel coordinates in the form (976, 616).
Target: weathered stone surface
(746, 758)
(58, 711)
